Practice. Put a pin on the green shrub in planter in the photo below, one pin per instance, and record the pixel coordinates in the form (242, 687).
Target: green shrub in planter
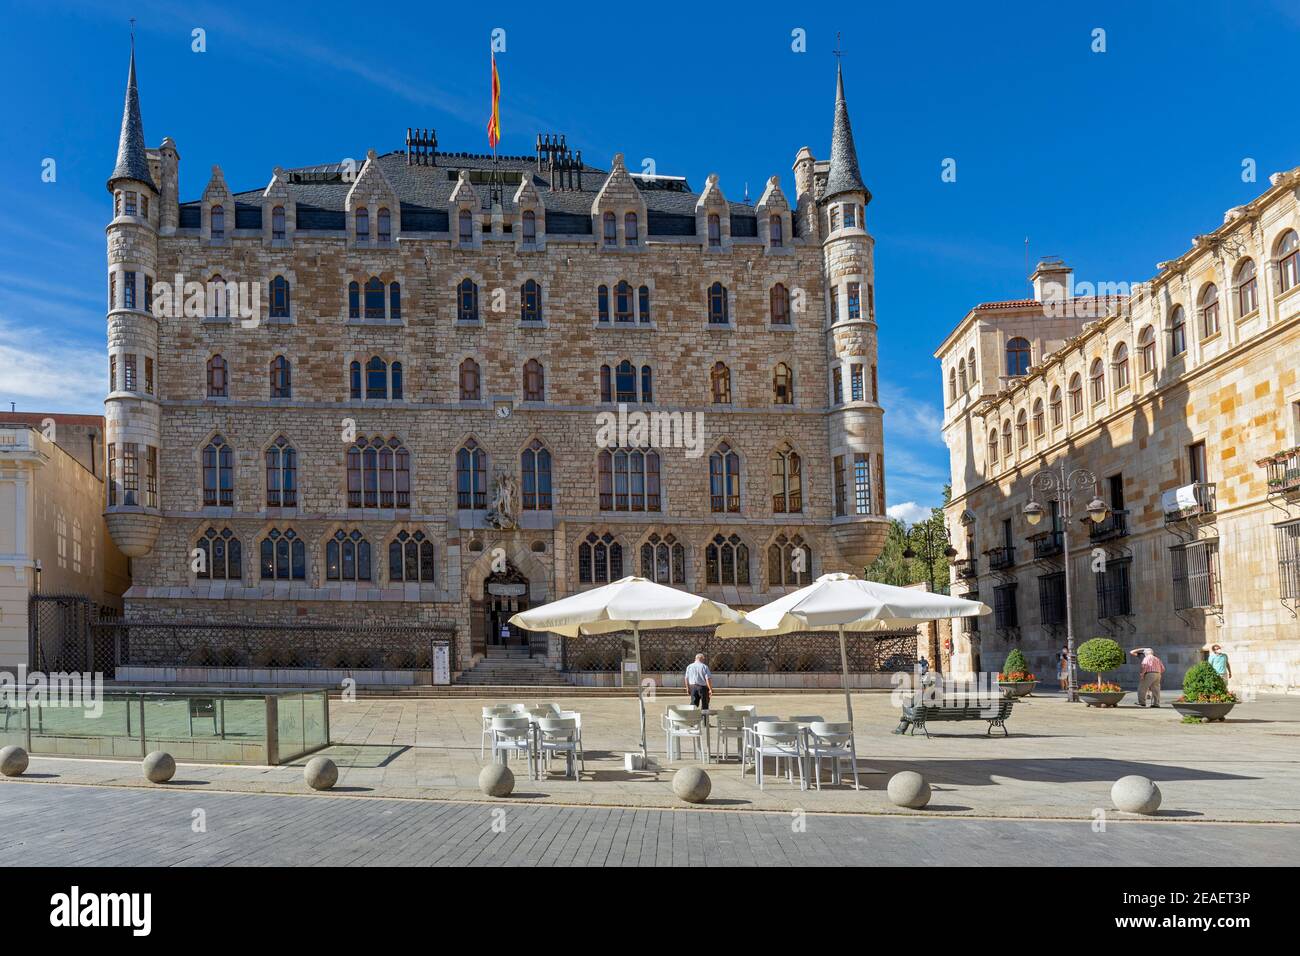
(1202, 684)
(1099, 655)
(1014, 664)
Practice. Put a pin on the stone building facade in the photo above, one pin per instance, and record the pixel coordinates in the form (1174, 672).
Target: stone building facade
(410, 427)
(1181, 396)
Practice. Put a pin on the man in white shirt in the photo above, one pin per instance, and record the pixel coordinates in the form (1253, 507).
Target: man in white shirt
(699, 681)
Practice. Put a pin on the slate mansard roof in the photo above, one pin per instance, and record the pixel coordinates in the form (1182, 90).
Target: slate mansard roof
(320, 194)
(132, 157)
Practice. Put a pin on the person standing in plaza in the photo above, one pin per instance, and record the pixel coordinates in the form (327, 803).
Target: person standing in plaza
(1151, 670)
(1219, 661)
(1063, 668)
(699, 681)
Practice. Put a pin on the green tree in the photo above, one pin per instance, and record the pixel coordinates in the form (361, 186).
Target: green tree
(1099, 655)
(927, 540)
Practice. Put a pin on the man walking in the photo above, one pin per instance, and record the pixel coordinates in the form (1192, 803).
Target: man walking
(1151, 670)
(699, 681)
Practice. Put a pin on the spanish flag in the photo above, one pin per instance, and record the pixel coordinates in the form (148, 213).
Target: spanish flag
(494, 121)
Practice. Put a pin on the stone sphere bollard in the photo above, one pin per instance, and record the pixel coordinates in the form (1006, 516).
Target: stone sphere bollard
(909, 789)
(321, 773)
(692, 784)
(13, 761)
(159, 767)
(496, 780)
(1135, 794)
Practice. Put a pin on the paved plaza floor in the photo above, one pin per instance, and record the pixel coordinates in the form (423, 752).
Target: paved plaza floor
(47, 826)
(1058, 763)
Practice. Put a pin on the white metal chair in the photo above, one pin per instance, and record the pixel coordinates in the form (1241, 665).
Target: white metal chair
(747, 741)
(554, 709)
(513, 735)
(683, 723)
(781, 740)
(807, 719)
(730, 725)
(834, 741)
(492, 710)
(577, 718)
(559, 735)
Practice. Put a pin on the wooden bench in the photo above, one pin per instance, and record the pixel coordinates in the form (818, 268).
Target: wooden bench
(957, 709)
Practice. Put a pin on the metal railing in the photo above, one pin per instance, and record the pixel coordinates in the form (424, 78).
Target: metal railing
(1114, 525)
(1000, 558)
(1283, 471)
(1206, 503)
(966, 569)
(1047, 543)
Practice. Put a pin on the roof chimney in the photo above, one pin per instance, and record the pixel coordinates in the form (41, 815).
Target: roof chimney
(1053, 280)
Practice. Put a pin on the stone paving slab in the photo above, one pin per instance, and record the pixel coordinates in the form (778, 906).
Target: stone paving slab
(1059, 761)
(48, 826)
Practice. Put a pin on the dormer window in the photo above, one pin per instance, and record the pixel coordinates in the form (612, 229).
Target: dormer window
(277, 222)
(715, 230)
(611, 229)
(385, 226)
(630, 235)
(530, 226)
(363, 225)
(466, 226)
(217, 218)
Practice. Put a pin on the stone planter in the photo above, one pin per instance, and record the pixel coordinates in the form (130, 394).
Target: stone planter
(1108, 698)
(1017, 688)
(1206, 711)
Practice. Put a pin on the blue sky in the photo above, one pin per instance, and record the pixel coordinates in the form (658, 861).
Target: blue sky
(1112, 160)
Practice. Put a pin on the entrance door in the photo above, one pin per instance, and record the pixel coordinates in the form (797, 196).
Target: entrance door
(505, 594)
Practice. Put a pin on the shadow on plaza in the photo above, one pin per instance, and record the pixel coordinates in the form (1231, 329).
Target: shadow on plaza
(980, 773)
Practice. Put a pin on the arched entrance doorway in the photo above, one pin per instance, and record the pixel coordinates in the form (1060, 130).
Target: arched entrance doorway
(505, 593)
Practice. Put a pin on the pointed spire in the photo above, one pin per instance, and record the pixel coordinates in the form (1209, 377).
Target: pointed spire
(844, 175)
(132, 160)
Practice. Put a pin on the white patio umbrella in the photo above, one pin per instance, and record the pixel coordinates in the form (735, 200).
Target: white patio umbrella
(841, 602)
(631, 603)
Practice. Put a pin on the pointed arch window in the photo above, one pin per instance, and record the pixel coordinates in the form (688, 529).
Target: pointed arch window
(715, 230)
(283, 556)
(279, 298)
(218, 473)
(376, 378)
(222, 556)
(374, 298)
(281, 475)
(385, 225)
(623, 302)
(779, 302)
(787, 481)
(775, 231)
(719, 312)
(530, 302)
(782, 385)
(354, 381)
(281, 378)
(218, 379)
(471, 477)
(379, 474)
(602, 303)
(789, 562)
(217, 220)
(647, 385)
(720, 380)
(347, 557)
(535, 467)
(394, 301)
(611, 229)
(277, 222)
(363, 224)
(410, 558)
(643, 302)
(663, 559)
(726, 561)
(625, 382)
(724, 480)
(470, 384)
(628, 479)
(354, 299)
(631, 235)
(467, 301)
(600, 559)
(534, 381)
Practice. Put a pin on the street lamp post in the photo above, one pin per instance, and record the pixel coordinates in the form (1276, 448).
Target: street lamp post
(1059, 484)
(932, 545)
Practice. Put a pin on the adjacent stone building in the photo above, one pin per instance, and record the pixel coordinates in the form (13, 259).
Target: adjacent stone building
(1181, 395)
(411, 424)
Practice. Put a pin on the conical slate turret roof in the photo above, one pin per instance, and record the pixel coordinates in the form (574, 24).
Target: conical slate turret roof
(844, 175)
(132, 160)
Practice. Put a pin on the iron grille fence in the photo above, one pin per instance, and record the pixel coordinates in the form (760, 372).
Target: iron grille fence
(1288, 559)
(1051, 598)
(803, 653)
(1114, 598)
(367, 647)
(61, 637)
(1196, 575)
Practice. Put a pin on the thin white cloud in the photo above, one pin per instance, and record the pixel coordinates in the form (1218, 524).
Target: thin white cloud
(909, 512)
(40, 373)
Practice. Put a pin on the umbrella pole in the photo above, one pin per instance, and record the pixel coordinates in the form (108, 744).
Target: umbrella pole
(844, 670)
(640, 686)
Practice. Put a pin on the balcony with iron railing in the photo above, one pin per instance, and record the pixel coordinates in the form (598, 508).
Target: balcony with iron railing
(1001, 558)
(1114, 525)
(966, 569)
(1202, 501)
(1282, 471)
(1047, 544)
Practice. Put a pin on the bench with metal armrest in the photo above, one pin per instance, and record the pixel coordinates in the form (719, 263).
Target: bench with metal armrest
(996, 712)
